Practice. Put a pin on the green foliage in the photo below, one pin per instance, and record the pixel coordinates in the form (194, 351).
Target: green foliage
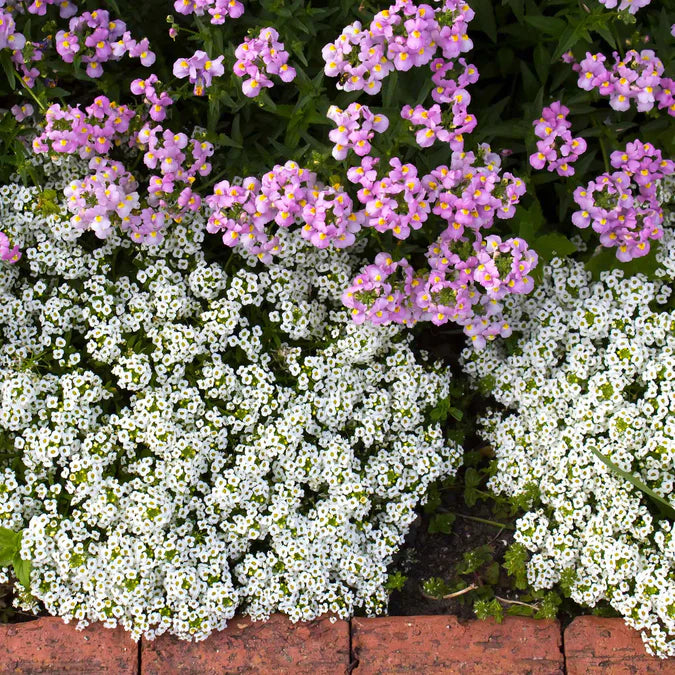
(515, 560)
(396, 581)
(10, 555)
(473, 560)
(442, 522)
(485, 609)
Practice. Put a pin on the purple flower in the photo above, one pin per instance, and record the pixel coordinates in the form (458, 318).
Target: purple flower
(635, 77)
(218, 9)
(356, 127)
(200, 70)
(21, 112)
(259, 57)
(7, 252)
(622, 206)
(556, 150)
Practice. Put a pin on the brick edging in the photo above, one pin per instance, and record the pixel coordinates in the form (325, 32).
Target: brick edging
(398, 644)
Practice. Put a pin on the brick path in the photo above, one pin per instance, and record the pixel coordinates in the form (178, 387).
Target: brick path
(408, 644)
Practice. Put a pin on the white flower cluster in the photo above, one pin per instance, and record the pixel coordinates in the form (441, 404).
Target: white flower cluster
(594, 372)
(182, 441)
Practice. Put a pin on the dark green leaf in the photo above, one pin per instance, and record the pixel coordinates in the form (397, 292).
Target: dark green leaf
(542, 62)
(485, 18)
(547, 24)
(442, 522)
(552, 245)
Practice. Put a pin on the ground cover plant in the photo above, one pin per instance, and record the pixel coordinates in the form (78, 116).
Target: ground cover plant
(221, 236)
(590, 444)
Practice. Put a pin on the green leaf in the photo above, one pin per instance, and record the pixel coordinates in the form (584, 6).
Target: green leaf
(485, 18)
(547, 24)
(6, 556)
(474, 560)
(665, 507)
(520, 610)
(8, 67)
(530, 83)
(485, 609)
(390, 90)
(607, 34)
(529, 220)
(442, 523)
(515, 563)
(456, 413)
(436, 587)
(517, 7)
(568, 39)
(551, 245)
(396, 581)
(9, 538)
(22, 569)
(433, 499)
(491, 574)
(542, 62)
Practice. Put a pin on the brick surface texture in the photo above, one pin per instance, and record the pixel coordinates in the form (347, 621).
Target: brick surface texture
(441, 644)
(271, 647)
(423, 645)
(51, 646)
(596, 646)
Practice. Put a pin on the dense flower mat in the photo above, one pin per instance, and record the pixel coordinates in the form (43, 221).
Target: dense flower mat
(219, 237)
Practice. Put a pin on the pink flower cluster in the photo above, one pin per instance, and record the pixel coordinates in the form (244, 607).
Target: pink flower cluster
(92, 132)
(8, 253)
(622, 206)
(104, 199)
(631, 5)
(95, 38)
(635, 77)
(448, 80)
(401, 37)
(469, 276)
(448, 127)
(218, 9)
(557, 149)
(200, 70)
(157, 102)
(466, 284)
(24, 53)
(286, 195)
(259, 57)
(356, 126)
(381, 292)
(398, 202)
(468, 281)
(472, 192)
(109, 197)
(178, 160)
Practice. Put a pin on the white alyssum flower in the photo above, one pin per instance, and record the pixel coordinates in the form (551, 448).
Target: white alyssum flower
(187, 442)
(593, 374)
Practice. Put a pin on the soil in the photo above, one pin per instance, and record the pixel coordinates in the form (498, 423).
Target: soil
(426, 555)
(437, 555)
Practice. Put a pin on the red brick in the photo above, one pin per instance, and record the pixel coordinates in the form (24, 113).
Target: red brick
(48, 645)
(275, 646)
(441, 644)
(595, 646)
